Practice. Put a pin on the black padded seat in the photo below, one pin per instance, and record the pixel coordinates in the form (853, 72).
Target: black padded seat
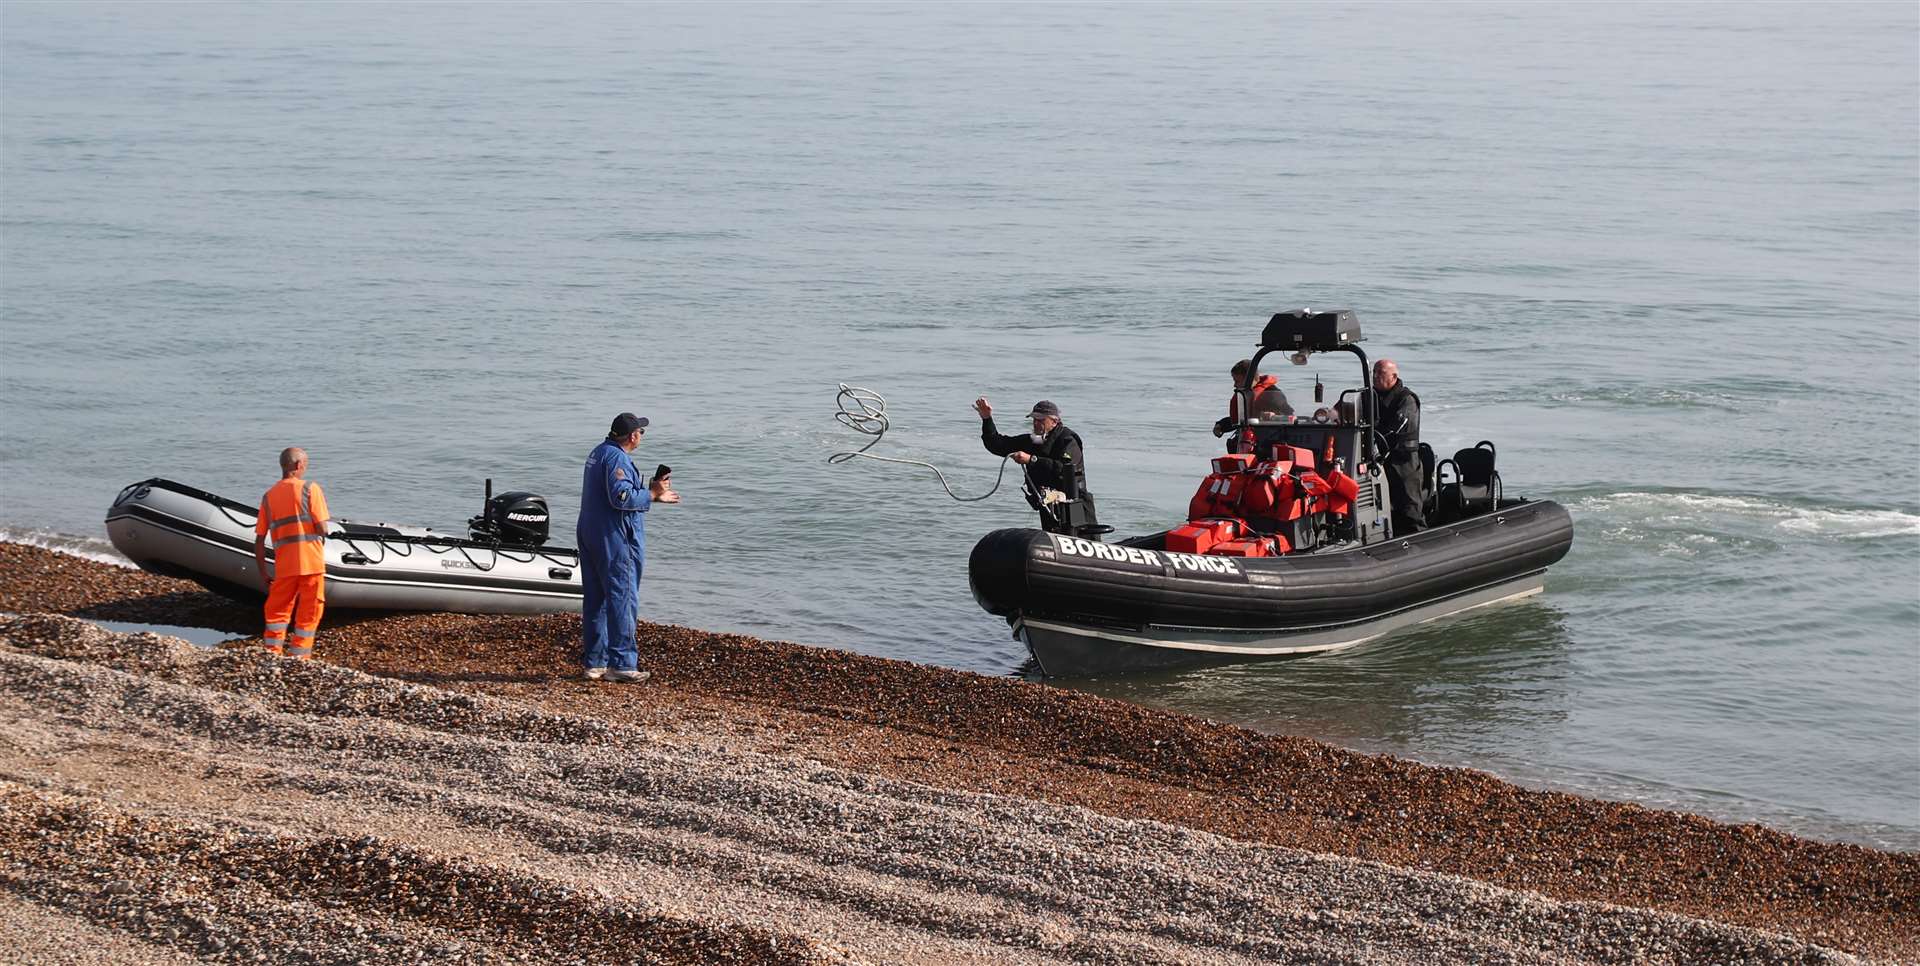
(1476, 486)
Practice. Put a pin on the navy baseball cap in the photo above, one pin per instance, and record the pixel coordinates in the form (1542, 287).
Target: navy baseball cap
(626, 423)
(1044, 408)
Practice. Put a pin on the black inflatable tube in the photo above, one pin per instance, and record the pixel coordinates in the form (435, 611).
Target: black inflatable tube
(1021, 572)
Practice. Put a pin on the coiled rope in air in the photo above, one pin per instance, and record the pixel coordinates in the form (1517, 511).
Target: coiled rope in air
(865, 411)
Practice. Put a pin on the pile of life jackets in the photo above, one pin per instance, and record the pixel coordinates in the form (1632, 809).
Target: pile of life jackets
(1243, 501)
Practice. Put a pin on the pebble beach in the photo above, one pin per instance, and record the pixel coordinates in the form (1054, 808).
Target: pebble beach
(438, 788)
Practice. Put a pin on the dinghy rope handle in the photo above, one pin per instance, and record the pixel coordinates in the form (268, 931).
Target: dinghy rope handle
(403, 547)
(865, 411)
(440, 545)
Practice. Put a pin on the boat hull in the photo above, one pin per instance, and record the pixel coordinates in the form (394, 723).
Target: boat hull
(1074, 650)
(1088, 609)
(169, 528)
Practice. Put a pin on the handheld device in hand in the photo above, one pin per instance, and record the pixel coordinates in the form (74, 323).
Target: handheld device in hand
(661, 472)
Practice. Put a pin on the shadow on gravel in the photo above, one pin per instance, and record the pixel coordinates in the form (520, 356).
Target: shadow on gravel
(203, 609)
(474, 677)
(183, 609)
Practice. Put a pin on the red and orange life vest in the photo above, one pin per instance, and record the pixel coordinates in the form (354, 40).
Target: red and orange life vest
(1260, 385)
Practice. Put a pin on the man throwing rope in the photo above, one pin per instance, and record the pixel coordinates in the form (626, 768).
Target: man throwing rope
(1053, 460)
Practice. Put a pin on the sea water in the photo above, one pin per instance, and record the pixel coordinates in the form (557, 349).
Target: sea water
(1664, 256)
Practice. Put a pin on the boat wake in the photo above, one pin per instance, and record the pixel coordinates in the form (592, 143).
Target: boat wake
(1717, 511)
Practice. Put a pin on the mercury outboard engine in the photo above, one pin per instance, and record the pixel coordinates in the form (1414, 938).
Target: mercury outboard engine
(518, 518)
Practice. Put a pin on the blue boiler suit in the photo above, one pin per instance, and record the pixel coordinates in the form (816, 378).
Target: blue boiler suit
(612, 536)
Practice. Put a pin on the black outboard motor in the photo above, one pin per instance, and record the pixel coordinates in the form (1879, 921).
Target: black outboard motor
(518, 518)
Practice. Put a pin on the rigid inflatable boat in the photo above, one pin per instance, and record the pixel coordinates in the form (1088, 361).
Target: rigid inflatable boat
(502, 566)
(1288, 548)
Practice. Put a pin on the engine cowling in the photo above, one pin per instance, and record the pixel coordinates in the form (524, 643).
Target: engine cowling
(519, 518)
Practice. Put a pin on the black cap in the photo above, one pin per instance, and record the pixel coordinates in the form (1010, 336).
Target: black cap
(626, 423)
(1044, 408)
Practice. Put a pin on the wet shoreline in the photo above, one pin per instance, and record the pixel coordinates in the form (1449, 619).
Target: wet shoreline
(979, 735)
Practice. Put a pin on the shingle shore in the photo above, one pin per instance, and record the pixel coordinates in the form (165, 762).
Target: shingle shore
(897, 721)
(342, 817)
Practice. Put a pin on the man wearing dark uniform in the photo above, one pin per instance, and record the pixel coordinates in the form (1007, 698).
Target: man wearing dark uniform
(1398, 422)
(1051, 455)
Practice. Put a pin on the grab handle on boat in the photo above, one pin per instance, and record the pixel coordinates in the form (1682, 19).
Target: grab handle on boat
(559, 573)
(132, 490)
(354, 558)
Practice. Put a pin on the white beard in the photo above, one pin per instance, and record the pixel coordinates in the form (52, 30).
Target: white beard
(1037, 438)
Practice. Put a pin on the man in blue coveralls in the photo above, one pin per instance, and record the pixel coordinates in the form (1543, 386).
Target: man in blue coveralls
(612, 536)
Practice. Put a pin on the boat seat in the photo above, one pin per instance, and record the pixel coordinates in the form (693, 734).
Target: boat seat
(1475, 487)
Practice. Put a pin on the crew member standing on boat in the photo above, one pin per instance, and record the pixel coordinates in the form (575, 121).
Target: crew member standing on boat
(1052, 457)
(612, 535)
(1398, 423)
(293, 514)
(1267, 398)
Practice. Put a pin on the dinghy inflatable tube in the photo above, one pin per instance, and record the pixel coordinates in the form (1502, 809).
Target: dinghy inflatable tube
(173, 529)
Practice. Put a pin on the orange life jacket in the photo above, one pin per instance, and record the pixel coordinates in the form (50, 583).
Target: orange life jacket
(1342, 490)
(290, 515)
(1260, 385)
(1219, 493)
(1269, 491)
(1257, 547)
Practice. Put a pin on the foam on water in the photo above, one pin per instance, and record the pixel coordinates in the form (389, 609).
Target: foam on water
(90, 548)
(1706, 509)
(1661, 398)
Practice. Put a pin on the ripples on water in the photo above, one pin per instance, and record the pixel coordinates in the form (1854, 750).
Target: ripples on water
(1663, 256)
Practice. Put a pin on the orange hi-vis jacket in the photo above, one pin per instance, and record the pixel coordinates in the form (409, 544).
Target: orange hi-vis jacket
(290, 516)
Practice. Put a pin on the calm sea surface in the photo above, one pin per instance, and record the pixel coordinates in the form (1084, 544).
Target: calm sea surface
(1668, 257)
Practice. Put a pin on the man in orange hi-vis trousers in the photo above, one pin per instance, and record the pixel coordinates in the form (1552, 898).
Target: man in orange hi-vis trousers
(293, 515)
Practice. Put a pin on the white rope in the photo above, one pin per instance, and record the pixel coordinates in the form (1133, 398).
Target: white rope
(865, 411)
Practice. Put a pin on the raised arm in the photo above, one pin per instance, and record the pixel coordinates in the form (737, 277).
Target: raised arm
(1000, 445)
(990, 436)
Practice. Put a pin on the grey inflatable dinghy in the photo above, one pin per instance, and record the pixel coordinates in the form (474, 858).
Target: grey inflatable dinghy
(502, 566)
